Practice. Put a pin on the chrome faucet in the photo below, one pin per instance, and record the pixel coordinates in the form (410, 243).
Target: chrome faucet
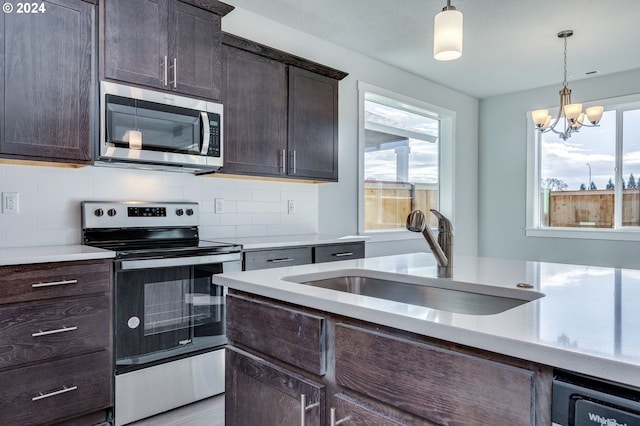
(442, 248)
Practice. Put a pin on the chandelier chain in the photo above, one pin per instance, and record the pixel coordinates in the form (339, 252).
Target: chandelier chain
(565, 63)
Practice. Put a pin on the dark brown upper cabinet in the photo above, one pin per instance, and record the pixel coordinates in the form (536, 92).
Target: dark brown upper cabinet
(281, 113)
(46, 70)
(165, 44)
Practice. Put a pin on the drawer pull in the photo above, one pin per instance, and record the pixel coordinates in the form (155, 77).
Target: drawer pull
(333, 418)
(59, 330)
(283, 260)
(63, 282)
(346, 253)
(54, 393)
(304, 408)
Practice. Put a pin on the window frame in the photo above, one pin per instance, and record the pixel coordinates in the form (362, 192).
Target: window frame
(446, 161)
(618, 232)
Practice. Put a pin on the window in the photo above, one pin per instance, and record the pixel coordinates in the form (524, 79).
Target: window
(401, 142)
(589, 185)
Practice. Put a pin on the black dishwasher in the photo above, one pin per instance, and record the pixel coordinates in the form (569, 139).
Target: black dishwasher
(581, 401)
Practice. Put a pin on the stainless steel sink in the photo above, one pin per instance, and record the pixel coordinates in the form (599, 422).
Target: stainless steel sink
(443, 294)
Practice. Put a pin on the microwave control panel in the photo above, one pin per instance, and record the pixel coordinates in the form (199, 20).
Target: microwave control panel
(214, 132)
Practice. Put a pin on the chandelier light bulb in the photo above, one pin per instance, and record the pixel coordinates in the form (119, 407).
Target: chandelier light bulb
(539, 117)
(594, 114)
(572, 111)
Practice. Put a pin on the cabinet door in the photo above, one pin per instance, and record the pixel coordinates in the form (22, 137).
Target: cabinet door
(313, 125)
(136, 41)
(196, 48)
(46, 69)
(441, 385)
(254, 95)
(261, 393)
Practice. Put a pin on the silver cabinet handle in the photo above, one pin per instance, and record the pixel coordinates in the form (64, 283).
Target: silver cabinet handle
(54, 393)
(283, 260)
(165, 73)
(346, 253)
(304, 408)
(333, 418)
(59, 330)
(294, 162)
(175, 73)
(53, 283)
(284, 161)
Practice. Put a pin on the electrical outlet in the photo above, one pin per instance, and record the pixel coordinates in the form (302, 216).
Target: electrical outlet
(291, 206)
(219, 206)
(10, 202)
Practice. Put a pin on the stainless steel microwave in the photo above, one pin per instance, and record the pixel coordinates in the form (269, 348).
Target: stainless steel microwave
(149, 129)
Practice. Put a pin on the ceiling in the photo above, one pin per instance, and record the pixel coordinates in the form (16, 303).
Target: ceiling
(509, 45)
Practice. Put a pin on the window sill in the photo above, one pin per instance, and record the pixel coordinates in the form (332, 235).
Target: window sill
(632, 234)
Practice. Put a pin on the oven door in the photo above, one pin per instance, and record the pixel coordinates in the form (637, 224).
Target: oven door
(166, 308)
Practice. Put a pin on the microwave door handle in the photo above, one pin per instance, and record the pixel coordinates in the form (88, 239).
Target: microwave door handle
(206, 133)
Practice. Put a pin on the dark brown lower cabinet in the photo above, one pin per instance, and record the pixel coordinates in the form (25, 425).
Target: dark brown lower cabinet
(374, 375)
(56, 343)
(267, 394)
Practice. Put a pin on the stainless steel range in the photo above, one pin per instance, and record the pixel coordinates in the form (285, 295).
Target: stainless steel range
(169, 317)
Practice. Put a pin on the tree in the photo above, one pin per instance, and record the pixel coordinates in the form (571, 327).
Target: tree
(553, 184)
(583, 187)
(610, 184)
(632, 182)
(593, 186)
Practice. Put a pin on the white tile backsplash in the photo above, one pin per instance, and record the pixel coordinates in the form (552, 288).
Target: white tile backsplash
(50, 202)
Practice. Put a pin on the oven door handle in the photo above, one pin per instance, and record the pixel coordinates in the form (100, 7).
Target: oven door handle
(128, 265)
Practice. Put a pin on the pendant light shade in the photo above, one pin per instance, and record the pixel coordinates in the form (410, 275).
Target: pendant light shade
(447, 34)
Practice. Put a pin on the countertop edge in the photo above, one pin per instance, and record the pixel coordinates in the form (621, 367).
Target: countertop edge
(47, 254)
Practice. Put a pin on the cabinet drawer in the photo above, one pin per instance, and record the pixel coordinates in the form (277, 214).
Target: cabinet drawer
(440, 385)
(21, 283)
(57, 390)
(46, 330)
(263, 259)
(334, 252)
(292, 336)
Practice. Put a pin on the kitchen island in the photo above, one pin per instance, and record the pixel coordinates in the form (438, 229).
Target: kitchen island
(586, 323)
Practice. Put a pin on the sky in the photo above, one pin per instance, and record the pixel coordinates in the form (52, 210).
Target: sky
(423, 159)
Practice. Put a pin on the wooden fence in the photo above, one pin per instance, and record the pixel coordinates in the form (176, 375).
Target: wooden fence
(387, 204)
(589, 209)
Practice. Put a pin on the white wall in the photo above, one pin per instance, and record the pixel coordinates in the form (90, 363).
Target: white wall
(337, 202)
(50, 197)
(502, 177)
(50, 202)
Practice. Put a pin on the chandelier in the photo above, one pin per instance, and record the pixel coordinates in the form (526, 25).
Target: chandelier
(447, 34)
(573, 115)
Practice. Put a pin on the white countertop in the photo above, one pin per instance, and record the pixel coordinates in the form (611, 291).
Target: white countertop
(255, 243)
(45, 254)
(587, 322)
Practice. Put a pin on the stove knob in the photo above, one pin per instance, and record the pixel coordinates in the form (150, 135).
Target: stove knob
(98, 212)
(189, 212)
(111, 212)
(179, 212)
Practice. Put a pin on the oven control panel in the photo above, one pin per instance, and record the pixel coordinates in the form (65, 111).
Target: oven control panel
(128, 214)
(147, 211)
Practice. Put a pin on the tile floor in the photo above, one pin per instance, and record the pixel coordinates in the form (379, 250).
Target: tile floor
(208, 412)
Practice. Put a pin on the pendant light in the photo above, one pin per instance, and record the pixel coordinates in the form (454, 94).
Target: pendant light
(447, 34)
(573, 115)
